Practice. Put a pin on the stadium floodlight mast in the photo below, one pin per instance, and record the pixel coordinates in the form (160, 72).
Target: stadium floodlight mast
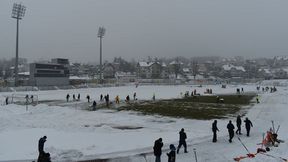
(101, 32)
(18, 13)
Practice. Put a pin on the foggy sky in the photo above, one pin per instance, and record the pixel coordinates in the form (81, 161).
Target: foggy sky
(140, 28)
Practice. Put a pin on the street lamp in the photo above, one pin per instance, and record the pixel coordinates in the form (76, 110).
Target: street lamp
(18, 13)
(101, 32)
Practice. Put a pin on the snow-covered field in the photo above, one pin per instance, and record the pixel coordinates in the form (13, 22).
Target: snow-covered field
(76, 134)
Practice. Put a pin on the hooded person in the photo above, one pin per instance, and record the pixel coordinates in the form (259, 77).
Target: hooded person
(248, 125)
(182, 141)
(214, 130)
(172, 154)
(41, 142)
(230, 128)
(238, 124)
(158, 144)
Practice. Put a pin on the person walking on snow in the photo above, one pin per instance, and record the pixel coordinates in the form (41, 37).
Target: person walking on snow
(43, 156)
(158, 144)
(78, 97)
(67, 97)
(257, 99)
(153, 98)
(127, 99)
(230, 128)
(238, 124)
(182, 141)
(117, 99)
(88, 98)
(134, 96)
(6, 100)
(171, 155)
(214, 130)
(248, 125)
(94, 105)
(41, 142)
(101, 97)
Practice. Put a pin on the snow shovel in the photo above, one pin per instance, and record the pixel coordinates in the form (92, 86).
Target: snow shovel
(261, 149)
(249, 154)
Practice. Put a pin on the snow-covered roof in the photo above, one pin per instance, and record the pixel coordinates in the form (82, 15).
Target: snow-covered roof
(186, 70)
(265, 70)
(176, 62)
(281, 57)
(24, 73)
(229, 67)
(79, 78)
(145, 64)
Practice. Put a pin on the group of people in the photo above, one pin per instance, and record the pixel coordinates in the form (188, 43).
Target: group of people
(231, 127)
(158, 144)
(266, 89)
(74, 97)
(238, 90)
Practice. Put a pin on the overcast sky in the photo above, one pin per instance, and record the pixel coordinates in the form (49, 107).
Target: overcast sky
(141, 28)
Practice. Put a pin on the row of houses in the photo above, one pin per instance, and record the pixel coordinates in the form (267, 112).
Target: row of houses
(60, 72)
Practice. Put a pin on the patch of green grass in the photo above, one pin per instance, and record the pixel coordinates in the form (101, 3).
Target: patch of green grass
(200, 107)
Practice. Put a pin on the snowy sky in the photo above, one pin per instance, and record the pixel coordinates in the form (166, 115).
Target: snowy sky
(141, 28)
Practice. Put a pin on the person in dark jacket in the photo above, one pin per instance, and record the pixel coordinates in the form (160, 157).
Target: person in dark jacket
(43, 156)
(41, 142)
(172, 155)
(230, 128)
(158, 144)
(101, 97)
(88, 98)
(182, 141)
(78, 97)
(134, 96)
(214, 130)
(107, 100)
(238, 124)
(127, 99)
(6, 100)
(67, 97)
(248, 125)
(94, 105)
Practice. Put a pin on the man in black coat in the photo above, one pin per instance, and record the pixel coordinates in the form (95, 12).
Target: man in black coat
(43, 156)
(158, 144)
(67, 97)
(230, 128)
(41, 142)
(6, 100)
(171, 155)
(214, 130)
(182, 141)
(248, 125)
(94, 105)
(238, 123)
(88, 98)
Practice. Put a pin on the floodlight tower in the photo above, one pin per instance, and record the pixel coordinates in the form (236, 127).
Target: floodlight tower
(101, 32)
(18, 13)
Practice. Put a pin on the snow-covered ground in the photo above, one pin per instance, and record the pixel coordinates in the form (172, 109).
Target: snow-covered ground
(76, 134)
